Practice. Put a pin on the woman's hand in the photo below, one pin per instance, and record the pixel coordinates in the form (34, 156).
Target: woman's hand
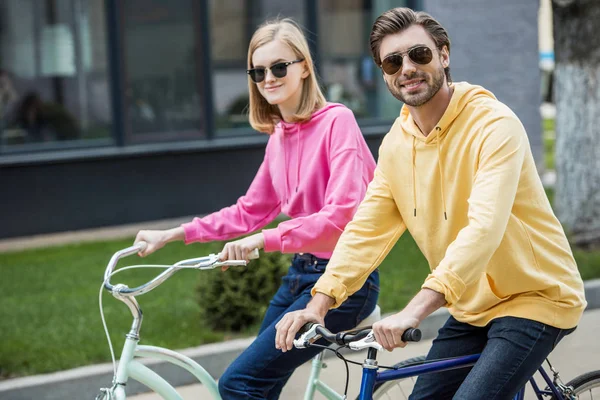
(241, 249)
(157, 239)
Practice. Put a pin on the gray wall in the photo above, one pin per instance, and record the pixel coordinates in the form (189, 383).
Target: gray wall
(116, 188)
(495, 44)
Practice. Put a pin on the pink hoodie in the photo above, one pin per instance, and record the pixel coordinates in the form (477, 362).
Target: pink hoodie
(315, 172)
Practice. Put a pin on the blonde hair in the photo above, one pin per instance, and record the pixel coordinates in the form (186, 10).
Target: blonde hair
(264, 116)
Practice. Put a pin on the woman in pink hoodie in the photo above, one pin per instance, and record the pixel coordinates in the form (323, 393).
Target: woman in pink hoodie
(316, 170)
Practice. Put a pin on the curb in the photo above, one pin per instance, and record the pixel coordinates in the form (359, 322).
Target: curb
(84, 382)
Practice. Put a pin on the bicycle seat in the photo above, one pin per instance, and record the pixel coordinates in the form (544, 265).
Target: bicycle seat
(371, 318)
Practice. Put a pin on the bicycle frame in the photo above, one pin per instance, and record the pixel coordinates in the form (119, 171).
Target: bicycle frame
(129, 367)
(371, 376)
(314, 384)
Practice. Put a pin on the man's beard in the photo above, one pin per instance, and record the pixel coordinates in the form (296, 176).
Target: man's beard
(418, 99)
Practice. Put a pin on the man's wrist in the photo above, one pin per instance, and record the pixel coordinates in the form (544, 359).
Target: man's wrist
(424, 303)
(320, 304)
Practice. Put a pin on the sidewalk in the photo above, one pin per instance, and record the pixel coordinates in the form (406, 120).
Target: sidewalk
(86, 235)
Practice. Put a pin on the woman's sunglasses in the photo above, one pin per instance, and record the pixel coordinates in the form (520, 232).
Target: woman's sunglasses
(419, 55)
(278, 70)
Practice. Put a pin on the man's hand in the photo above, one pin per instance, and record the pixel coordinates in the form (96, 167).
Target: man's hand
(291, 323)
(240, 249)
(388, 332)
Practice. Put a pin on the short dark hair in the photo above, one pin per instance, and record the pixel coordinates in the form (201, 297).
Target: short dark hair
(401, 18)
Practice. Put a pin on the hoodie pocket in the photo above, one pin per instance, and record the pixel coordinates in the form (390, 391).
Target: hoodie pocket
(481, 296)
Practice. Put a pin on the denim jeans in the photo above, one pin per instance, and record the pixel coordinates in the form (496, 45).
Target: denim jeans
(511, 348)
(261, 371)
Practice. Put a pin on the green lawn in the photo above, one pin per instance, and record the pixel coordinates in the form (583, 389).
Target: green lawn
(549, 138)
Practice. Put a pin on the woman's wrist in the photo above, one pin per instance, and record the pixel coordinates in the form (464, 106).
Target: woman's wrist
(172, 235)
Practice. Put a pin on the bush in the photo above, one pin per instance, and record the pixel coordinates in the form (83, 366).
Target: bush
(238, 298)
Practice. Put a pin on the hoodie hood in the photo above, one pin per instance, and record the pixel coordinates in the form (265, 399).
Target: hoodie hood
(464, 93)
(294, 127)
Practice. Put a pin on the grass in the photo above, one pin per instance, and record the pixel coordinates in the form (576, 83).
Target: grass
(49, 304)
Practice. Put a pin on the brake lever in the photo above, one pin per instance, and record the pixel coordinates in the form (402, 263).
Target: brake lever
(365, 343)
(213, 261)
(307, 338)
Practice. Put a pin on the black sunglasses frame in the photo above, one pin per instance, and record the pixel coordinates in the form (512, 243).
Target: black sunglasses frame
(411, 54)
(253, 73)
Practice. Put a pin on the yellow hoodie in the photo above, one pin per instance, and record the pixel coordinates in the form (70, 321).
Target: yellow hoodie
(471, 197)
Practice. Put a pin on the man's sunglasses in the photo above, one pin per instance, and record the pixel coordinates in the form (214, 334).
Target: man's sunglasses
(278, 70)
(419, 55)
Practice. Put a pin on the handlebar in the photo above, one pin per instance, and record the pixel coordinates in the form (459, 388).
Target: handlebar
(355, 339)
(207, 262)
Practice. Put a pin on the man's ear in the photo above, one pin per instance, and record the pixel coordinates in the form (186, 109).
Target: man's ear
(445, 56)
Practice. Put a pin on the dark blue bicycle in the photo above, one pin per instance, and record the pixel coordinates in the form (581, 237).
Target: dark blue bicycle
(393, 382)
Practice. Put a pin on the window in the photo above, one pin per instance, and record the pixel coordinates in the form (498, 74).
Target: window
(161, 70)
(232, 24)
(347, 71)
(54, 86)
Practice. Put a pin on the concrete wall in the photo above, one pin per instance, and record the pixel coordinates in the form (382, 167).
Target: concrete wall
(495, 44)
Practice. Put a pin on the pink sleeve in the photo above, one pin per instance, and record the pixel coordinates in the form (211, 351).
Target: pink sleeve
(252, 211)
(346, 188)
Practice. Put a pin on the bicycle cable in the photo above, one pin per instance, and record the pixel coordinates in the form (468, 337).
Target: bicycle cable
(110, 346)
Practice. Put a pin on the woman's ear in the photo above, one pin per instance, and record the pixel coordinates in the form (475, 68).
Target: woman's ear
(305, 72)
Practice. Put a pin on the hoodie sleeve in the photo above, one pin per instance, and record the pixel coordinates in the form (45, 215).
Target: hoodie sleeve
(346, 187)
(365, 243)
(257, 208)
(500, 161)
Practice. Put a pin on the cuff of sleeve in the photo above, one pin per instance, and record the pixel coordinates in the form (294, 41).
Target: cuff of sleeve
(331, 287)
(446, 283)
(191, 233)
(272, 240)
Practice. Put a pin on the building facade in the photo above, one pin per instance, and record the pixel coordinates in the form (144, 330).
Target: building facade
(121, 111)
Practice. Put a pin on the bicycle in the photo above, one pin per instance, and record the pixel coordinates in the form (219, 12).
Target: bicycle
(387, 384)
(130, 367)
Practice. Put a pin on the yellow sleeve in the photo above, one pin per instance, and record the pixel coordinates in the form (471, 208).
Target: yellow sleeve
(500, 161)
(365, 242)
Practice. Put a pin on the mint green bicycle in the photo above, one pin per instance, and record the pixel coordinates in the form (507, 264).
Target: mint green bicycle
(129, 366)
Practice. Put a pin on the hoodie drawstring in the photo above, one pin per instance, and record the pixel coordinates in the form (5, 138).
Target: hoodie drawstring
(441, 171)
(287, 178)
(440, 167)
(414, 167)
(298, 154)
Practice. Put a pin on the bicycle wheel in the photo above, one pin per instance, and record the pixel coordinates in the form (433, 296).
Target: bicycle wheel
(586, 386)
(397, 389)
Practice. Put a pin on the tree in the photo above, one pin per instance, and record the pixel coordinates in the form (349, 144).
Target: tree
(577, 96)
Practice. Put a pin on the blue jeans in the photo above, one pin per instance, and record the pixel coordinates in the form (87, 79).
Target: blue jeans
(261, 371)
(511, 348)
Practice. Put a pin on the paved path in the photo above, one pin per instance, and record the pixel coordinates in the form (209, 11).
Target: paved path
(576, 354)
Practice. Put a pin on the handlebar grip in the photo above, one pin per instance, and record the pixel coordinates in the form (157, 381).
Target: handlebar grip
(142, 245)
(411, 335)
(253, 255)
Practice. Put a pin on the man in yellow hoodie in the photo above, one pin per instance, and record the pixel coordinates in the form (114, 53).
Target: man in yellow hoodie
(457, 171)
